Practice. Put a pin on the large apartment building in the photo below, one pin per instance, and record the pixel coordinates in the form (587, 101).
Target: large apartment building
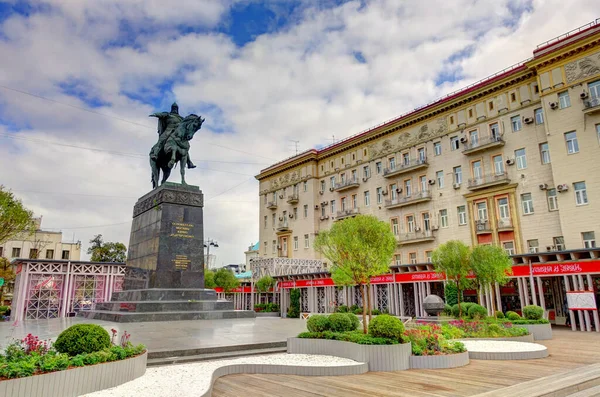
(512, 160)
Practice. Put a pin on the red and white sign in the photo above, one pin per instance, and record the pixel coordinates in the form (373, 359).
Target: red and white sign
(558, 269)
(581, 300)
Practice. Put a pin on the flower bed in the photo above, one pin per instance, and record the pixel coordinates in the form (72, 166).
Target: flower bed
(266, 308)
(459, 329)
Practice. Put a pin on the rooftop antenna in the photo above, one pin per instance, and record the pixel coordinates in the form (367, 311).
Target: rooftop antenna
(295, 145)
(332, 139)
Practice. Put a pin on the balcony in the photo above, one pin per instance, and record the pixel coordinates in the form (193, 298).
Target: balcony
(283, 226)
(483, 144)
(415, 237)
(417, 197)
(483, 226)
(293, 199)
(591, 105)
(505, 225)
(272, 205)
(345, 185)
(413, 165)
(347, 213)
(488, 181)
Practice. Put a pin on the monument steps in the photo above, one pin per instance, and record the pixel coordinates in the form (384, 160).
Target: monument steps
(165, 294)
(164, 306)
(214, 356)
(135, 317)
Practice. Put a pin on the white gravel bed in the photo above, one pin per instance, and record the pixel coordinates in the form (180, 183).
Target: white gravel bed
(193, 379)
(498, 346)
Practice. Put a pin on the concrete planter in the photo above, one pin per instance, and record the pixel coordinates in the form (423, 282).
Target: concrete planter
(525, 338)
(76, 381)
(539, 331)
(380, 358)
(439, 362)
(267, 314)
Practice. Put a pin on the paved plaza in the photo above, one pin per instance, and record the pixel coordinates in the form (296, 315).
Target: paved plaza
(168, 336)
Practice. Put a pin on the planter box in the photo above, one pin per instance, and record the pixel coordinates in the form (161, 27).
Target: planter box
(439, 362)
(267, 314)
(524, 338)
(539, 331)
(380, 358)
(76, 381)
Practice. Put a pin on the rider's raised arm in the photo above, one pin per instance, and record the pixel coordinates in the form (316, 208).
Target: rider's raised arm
(159, 114)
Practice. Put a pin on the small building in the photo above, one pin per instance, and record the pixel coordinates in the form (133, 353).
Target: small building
(253, 252)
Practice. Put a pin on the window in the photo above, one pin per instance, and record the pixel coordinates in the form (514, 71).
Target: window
(527, 202)
(410, 224)
(589, 239)
(545, 153)
(564, 101)
(407, 187)
(378, 167)
(533, 246)
(412, 258)
(423, 183)
(395, 228)
(305, 209)
(491, 105)
(332, 182)
(598, 132)
(521, 159)
(421, 155)
(454, 143)
(367, 198)
(266, 199)
(571, 140)
(49, 254)
(443, 218)
(342, 161)
(440, 178)
(332, 206)
(274, 250)
(355, 201)
(392, 162)
(305, 186)
(265, 247)
(323, 211)
(451, 119)
(477, 170)
(428, 256)
(33, 253)
(393, 191)
(515, 121)
(539, 116)
(482, 211)
(498, 164)
(398, 259)
(295, 212)
(366, 172)
(265, 225)
(364, 152)
(437, 148)
(322, 186)
(594, 88)
(306, 241)
(559, 243)
(343, 201)
(354, 176)
(284, 192)
(552, 199)
(295, 243)
(343, 178)
(458, 174)
(509, 247)
(462, 215)
(406, 159)
(426, 221)
(513, 97)
(503, 208)
(65, 254)
(274, 197)
(379, 195)
(470, 113)
(580, 193)
(16, 252)
(474, 137)
(273, 219)
(494, 131)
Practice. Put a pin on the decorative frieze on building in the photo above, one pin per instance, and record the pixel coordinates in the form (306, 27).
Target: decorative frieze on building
(583, 68)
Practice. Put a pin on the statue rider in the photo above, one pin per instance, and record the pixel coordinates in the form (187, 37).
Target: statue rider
(167, 123)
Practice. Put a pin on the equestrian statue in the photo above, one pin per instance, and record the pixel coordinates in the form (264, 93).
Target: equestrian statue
(174, 136)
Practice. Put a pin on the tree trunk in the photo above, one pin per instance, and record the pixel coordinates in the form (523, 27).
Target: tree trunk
(493, 299)
(368, 287)
(458, 298)
(364, 314)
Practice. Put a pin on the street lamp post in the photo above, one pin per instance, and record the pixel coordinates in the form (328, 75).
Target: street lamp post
(207, 244)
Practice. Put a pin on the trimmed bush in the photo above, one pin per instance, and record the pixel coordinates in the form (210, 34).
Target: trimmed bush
(512, 316)
(533, 312)
(375, 312)
(499, 315)
(353, 320)
(358, 311)
(318, 323)
(354, 337)
(465, 308)
(82, 338)
(447, 309)
(530, 322)
(386, 326)
(477, 311)
(340, 322)
(342, 309)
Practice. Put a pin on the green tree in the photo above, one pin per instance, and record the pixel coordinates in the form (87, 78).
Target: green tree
(106, 251)
(264, 284)
(451, 294)
(490, 265)
(453, 259)
(209, 279)
(294, 309)
(225, 279)
(14, 217)
(7, 273)
(358, 248)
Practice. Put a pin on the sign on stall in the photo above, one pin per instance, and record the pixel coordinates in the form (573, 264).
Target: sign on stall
(581, 300)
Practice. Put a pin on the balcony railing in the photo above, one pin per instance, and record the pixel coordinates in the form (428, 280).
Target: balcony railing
(416, 197)
(346, 213)
(483, 144)
(488, 180)
(283, 226)
(483, 226)
(505, 224)
(591, 105)
(413, 164)
(415, 237)
(347, 184)
(293, 199)
(272, 205)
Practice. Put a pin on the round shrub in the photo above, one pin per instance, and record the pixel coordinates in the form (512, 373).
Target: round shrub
(340, 322)
(386, 326)
(512, 316)
(82, 338)
(318, 323)
(353, 320)
(454, 310)
(465, 308)
(447, 309)
(499, 315)
(533, 312)
(477, 311)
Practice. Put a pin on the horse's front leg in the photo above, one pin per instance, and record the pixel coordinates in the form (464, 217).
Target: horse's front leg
(173, 158)
(182, 164)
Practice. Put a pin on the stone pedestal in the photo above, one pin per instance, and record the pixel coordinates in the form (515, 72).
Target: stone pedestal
(167, 238)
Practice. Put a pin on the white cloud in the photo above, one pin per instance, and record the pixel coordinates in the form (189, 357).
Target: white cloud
(302, 82)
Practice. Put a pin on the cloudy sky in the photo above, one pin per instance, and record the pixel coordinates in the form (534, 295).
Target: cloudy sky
(79, 78)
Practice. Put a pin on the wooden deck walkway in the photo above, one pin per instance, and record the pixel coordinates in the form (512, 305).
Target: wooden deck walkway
(568, 350)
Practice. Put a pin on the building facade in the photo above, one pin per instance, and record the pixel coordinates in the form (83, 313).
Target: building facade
(510, 160)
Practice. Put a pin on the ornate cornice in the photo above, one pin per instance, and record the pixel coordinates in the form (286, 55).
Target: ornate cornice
(188, 196)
